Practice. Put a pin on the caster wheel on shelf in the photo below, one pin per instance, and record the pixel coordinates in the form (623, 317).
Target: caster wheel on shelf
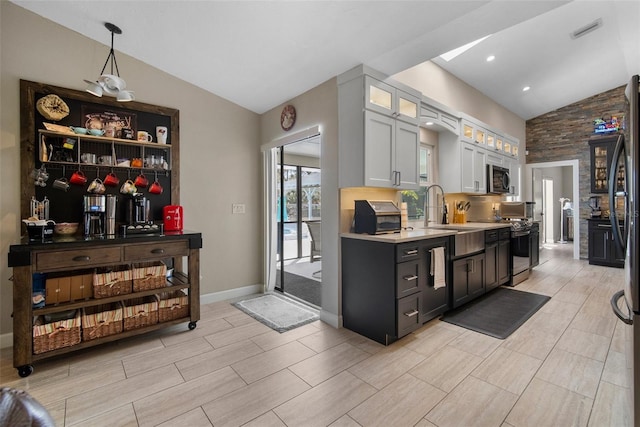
(192, 326)
(25, 371)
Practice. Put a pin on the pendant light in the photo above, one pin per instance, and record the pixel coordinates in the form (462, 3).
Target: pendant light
(111, 84)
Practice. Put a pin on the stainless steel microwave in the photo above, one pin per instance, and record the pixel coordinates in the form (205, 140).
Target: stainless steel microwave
(498, 181)
(516, 210)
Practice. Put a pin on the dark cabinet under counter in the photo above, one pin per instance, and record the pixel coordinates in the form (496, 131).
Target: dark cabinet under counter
(387, 288)
(602, 248)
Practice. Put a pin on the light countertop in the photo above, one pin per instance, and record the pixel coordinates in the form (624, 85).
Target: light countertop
(425, 233)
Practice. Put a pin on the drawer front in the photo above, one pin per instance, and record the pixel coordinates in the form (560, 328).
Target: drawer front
(407, 278)
(408, 314)
(156, 250)
(79, 258)
(491, 236)
(505, 234)
(407, 252)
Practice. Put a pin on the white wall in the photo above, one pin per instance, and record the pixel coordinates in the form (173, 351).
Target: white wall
(220, 156)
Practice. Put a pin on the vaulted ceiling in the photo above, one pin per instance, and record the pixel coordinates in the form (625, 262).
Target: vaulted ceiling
(258, 54)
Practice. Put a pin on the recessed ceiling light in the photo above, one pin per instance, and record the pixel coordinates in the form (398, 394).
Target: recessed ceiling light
(429, 123)
(526, 88)
(491, 58)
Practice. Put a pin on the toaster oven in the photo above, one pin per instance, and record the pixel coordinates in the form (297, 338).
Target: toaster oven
(376, 217)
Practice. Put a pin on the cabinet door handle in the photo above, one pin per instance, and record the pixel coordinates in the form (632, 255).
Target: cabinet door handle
(472, 263)
(604, 225)
(157, 251)
(410, 278)
(411, 252)
(81, 258)
(411, 313)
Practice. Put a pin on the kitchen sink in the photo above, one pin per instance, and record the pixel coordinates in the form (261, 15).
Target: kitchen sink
(467, 239)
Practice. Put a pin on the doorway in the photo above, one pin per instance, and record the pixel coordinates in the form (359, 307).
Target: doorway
(294, 266)
(565, 177)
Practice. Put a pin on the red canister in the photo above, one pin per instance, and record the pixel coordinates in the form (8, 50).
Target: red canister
(173, 218)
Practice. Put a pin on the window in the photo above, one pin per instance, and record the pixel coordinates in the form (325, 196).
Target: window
(415, 199)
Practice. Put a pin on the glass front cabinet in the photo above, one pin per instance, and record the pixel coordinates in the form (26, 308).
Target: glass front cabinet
(601, 150)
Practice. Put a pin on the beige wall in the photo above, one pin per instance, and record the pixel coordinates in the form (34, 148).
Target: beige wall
(441, 86)
(220, 157)
(318, 107)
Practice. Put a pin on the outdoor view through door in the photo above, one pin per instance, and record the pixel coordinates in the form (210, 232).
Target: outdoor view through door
(298, 221)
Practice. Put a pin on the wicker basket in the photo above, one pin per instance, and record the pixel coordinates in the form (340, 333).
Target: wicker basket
(101, 320)
(55, 335)
(172, 305)
(140, 312)
(150, 275)
(111, 282)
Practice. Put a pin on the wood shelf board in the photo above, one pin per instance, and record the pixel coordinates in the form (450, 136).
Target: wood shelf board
(104, 139)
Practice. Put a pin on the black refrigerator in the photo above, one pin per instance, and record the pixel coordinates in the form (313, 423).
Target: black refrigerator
(623, 201)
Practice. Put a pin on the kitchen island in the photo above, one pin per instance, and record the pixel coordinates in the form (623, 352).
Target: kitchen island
(389, 284)
(71, 256)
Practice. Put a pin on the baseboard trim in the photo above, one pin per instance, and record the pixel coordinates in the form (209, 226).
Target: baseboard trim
(6, 340)
(231, 294)
(331, 319)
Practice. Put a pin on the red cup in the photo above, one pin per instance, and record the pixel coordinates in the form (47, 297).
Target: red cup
(111, 180)
(156, 188)
(141, 181)
(78, 178)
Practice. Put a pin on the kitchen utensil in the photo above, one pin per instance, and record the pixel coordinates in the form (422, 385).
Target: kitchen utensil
(66, 228)
(136, 163)
(61, 184)
(105, 160)
(96, 186)
(161, 134)
(78, 178)
(88, 158)
(111, 180)
(467, 206)
(128, 187)
(141, 181)
(155, 188)
(95, 132)
(144, 136)
(79, 130)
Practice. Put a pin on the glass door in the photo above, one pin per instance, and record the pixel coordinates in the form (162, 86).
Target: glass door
(298, 196)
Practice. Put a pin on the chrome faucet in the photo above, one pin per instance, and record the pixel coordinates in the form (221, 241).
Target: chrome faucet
(426, 206)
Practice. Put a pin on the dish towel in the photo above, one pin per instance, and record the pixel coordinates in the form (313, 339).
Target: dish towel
(437, 268)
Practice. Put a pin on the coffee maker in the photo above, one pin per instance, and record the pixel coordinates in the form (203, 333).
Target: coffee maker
(594, 204)
(94, 215)
(138, 210)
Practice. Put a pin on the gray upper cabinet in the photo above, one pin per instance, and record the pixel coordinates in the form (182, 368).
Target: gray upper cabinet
(379, 139)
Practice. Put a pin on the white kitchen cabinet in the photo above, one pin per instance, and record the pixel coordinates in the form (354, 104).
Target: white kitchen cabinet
(514, 176)
(473, 133)
(390, 152)
(379, 139)
(495, 158)
(391, 101)
(462, 166)
(431, 113)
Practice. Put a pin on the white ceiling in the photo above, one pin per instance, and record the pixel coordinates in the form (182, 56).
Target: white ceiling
(259, 54)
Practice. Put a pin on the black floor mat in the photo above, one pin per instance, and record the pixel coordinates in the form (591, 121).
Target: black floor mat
(302, 287)
(498, 313)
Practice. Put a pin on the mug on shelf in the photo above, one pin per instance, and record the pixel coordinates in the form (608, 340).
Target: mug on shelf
(61, 184)
(144, 136)
(96, 187)
(156, 188)
(111, 180)
(88, 158)
(128, 187)
(105, 160)
(161, 134)
(78, 178)
(141, 181)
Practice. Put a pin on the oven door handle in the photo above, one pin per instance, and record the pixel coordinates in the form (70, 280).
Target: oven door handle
(520, 233)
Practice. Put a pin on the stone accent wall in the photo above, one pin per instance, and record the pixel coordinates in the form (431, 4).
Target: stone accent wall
(564, 134)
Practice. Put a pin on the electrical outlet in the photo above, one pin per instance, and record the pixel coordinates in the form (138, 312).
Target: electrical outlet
(237, 208)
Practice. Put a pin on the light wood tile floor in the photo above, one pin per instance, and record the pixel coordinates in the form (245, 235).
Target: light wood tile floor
(565, 366)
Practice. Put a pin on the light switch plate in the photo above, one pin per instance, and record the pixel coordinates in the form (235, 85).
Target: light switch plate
(237, 208)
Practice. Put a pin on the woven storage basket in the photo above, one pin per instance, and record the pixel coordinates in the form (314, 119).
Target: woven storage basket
(148, 276)
(55, 335)
(101, 321)
(172, 305)
(112, 282)
(140, 312)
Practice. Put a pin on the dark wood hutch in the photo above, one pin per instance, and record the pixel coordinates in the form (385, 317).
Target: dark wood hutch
(68, 254)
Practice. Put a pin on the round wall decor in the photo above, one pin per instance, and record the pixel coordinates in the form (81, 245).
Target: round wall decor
(288, 117)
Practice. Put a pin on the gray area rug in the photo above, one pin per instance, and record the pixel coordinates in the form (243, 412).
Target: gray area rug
(498, 313)
(278, 312)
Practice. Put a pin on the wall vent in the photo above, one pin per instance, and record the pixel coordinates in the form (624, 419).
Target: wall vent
(587, 29)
